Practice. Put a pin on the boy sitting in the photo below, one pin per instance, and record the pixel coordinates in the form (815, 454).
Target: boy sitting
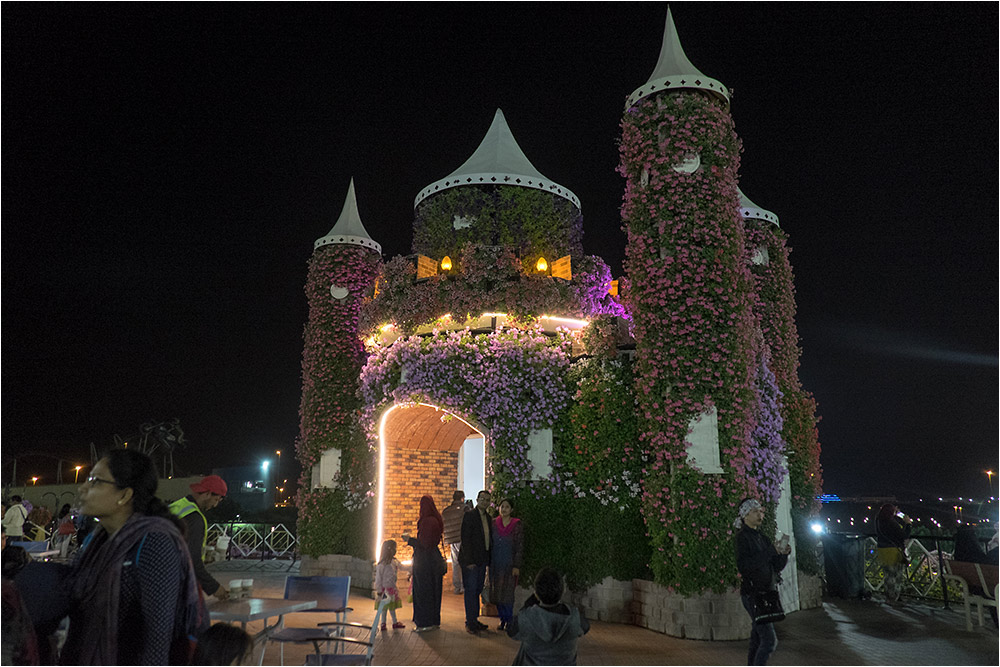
(547, 628)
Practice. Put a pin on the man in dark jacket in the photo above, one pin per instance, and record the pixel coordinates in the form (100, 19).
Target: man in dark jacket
(474, 556)
(452, 515)
(547, 629)
(191, 509)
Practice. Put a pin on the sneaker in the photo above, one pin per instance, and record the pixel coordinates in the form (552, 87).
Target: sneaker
(502, 626)
(396, 626)
(424, 628)
(471, 630)
(382, 628)
(482, 626)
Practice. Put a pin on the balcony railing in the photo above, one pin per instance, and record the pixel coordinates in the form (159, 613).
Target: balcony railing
(253, 541)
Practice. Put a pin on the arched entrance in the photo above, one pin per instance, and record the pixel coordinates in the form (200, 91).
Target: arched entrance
(422, 450)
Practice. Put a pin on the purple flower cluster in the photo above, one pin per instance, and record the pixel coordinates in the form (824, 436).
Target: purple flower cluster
(511, 382)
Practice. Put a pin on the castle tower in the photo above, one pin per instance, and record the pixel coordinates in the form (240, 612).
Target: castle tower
(690, 294)
(497, 198)
(342, 273)
(774, 305)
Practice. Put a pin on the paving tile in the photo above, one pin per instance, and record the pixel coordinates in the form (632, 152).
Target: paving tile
(842, 632)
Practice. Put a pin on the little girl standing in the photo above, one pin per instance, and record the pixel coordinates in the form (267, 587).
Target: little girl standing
(385, 581)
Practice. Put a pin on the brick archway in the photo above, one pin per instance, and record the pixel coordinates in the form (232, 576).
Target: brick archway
(418, 455)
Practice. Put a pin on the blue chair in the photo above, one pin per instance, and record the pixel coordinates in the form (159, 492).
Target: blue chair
(331, 595)
(343, 642)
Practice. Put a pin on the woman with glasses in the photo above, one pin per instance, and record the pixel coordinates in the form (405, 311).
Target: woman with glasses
(134, 596)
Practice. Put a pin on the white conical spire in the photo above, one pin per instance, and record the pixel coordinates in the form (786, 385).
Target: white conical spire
(498, 161)
(674, 70)
(349, 229)
(749, 210)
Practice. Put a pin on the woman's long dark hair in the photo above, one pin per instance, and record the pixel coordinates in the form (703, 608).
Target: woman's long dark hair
(134, 470)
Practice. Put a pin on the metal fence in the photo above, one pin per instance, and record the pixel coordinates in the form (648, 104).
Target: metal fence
(923, 575)
(253, 541)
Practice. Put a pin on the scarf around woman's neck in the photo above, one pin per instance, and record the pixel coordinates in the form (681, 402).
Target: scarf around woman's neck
(96, 587)
(503, 530)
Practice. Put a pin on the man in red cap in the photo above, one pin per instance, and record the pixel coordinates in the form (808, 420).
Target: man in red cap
(191, 509)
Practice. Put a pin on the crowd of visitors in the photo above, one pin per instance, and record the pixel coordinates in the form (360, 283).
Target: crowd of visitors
(134, 590)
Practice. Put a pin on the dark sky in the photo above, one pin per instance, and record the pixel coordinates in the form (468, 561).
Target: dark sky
(166, 169)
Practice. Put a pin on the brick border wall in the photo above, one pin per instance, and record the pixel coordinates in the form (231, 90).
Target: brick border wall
(410, 474)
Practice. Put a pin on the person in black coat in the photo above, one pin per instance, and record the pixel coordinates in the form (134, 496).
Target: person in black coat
(759, 561)
(474, 556)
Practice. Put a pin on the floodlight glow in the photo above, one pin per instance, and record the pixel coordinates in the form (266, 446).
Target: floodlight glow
(817, 527)
(264, 466)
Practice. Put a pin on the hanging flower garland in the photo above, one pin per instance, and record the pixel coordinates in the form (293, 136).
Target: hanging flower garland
(488, 279)
(767, 471)
(511, 381)
(331, 363)
(775, 306)
(691, 302)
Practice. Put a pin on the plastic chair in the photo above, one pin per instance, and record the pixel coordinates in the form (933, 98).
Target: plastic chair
(331, 595)
(344, 658)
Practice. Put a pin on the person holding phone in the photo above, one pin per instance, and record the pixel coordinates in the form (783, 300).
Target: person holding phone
(892, 529)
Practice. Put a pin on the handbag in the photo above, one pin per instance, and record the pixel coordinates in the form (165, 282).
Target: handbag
(767, 607)
(440, 565)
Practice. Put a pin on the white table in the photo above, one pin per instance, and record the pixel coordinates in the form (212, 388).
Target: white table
(257, 609)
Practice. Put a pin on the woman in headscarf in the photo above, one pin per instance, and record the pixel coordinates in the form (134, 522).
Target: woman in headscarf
(134, 596)
(759, 562)
(427, 570)
(892, 529)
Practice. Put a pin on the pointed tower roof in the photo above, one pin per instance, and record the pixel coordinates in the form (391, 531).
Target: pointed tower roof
(674, 70)
(349, 230)
(498, 161)
(749, 211)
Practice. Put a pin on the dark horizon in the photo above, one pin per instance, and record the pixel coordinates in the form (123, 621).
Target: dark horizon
(167, 170)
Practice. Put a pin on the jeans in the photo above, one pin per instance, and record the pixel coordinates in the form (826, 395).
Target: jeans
(473, 579)
(763, 639)
(456, 568)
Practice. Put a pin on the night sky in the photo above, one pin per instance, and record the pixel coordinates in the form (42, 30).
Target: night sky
(166, 169)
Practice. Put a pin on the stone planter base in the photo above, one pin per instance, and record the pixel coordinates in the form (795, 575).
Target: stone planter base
(810, 591)
(361, 572)
(709, 616)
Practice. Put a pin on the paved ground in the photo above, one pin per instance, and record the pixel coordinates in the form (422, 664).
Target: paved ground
(842, 632)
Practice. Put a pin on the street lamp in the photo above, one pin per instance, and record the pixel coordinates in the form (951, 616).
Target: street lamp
(76, 477)
(34, 481)
(989, 480)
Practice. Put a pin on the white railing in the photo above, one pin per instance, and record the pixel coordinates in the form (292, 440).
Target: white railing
(252, 540)
(921, 578)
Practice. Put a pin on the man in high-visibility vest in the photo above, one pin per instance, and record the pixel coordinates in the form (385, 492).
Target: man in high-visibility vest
(191, 509)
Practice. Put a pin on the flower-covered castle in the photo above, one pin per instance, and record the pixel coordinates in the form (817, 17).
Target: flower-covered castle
(625, 418)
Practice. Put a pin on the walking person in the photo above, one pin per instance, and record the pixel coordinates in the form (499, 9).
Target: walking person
(506, 558)
(386, 574)
(427, 563)
(759, 561)
(474, 556)
(452, 515)
(892, 529)
(133, 594)
(205, 495)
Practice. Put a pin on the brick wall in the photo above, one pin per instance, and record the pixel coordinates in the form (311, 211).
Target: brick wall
(410, 474)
